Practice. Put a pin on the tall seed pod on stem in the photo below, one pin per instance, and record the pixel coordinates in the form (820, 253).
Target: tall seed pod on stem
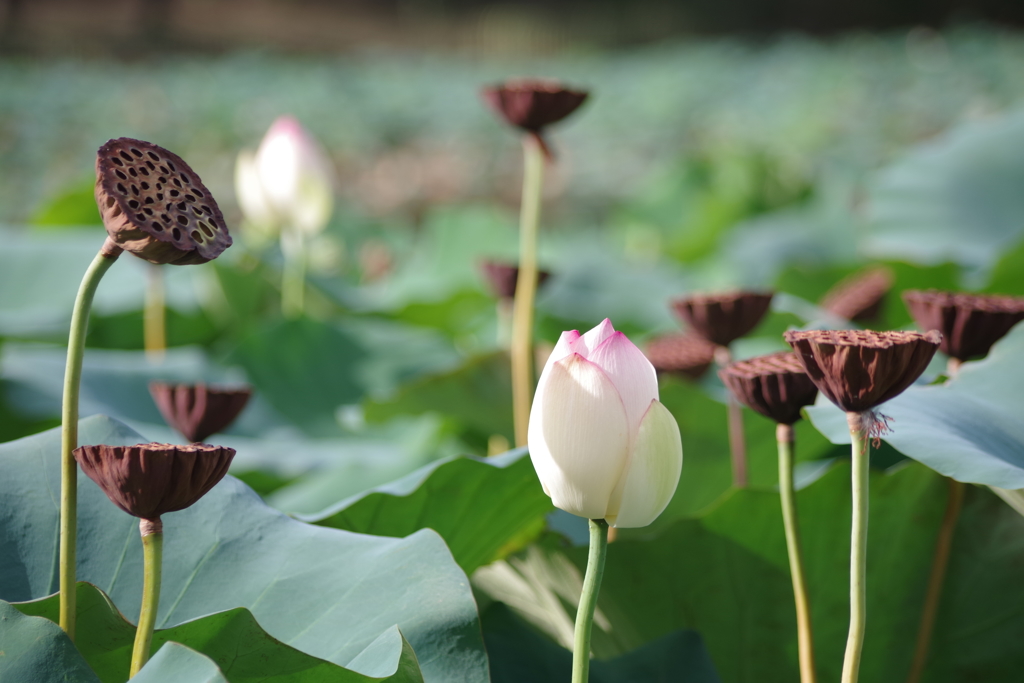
(530, 105)
(148, 481)
(777, 387)
(858, 370)
(156, 207)
(722, 319)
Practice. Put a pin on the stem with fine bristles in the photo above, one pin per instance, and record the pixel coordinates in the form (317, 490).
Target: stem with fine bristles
(526, 288)
(805, 642)
(69, 432)
(860, 450)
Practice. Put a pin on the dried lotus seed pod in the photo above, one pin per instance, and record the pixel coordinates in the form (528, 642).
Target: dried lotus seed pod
(155, 206)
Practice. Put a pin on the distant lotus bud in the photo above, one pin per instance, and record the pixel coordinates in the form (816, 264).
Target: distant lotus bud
(289, 181)
(681, 354)
(152, 479)
(970, 323)
(196, 410)
(860, 296)
(775, 385)
(603, 446)
(155, 206)
(723, 318)
(532, 104)
(258, 213)
(860, 369)
(503, 278)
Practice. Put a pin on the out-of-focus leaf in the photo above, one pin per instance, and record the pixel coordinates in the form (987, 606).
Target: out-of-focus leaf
(480, 506)
(329, 593)
(969, 428)
(518, 654)
(238, 647)
(37, 650)
(74, 207)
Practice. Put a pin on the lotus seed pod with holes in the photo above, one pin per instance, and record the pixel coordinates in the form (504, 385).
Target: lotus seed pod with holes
(859, 369)
(533, 104)
(197, 410)
(970, 323)
(151, 479)
(723, 318)
(775, 385)
(860, 296)
(684, 354)
(503, 277)
(155, 206)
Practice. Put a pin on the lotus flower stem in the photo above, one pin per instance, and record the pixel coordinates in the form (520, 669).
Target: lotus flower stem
(785, 437)
(154, 324)
(526, 287)
(953, 367)
(588, 600)
(860, 450)
(293, 277)
(69, 431)
(152, 531)
(940, 562)
(737, 440)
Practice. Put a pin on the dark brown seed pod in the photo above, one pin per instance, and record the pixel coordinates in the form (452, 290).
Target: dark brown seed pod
(860, 296)
(775, 385)
(198, 410)
(859, 369)
(503, 278)
(681, 354)
(152, 479)
(723, 318)
(533, 104)
(155, 206)
(970, 323)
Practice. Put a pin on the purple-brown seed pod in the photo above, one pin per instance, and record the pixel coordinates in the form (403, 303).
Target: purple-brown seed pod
(152, 479)
(775, 385)
(723, 318)
(859, 369)
(681, 354)
(198, 410)
(860, 296)
(970, 323)
(503, 278)
(155, 206)
(532, 103)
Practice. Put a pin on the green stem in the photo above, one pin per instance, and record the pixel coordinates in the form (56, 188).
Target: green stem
(526, 288)
(858, 548)
(293, 280)
(588, 600)
(154, 321)
(805, 642)
(940, 562)
(152, 531)
(737, 439)
(69, 432)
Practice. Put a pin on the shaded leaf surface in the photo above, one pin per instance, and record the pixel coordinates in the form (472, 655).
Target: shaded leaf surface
(35, 649)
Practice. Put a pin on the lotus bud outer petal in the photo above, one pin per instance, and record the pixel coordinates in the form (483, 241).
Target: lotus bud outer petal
(631, 373)
(653, 472)
(251, 196)
(578, 436)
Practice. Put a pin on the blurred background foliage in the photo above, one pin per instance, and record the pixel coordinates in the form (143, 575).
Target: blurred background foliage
(720, 149)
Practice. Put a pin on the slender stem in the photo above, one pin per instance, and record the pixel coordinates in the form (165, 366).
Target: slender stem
(293, 277)
(152, 531)
(805, 641)
(953, 367)
(154, 325)
(69, 432)
(526, 288)
(858, 548)
(940, 562)
(588, 600)
(737, 440)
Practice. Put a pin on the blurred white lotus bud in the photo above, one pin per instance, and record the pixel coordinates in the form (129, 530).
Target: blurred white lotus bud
(288, 183)
(261, 224)
(603, 446)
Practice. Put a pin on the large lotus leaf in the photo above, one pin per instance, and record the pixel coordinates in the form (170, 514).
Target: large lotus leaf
(480, 506)
(326, 592)
(175, 662)
(969, 428)
(956, 198)
(232, 639)
(33, 649)
(726, 576)
(518, 653)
